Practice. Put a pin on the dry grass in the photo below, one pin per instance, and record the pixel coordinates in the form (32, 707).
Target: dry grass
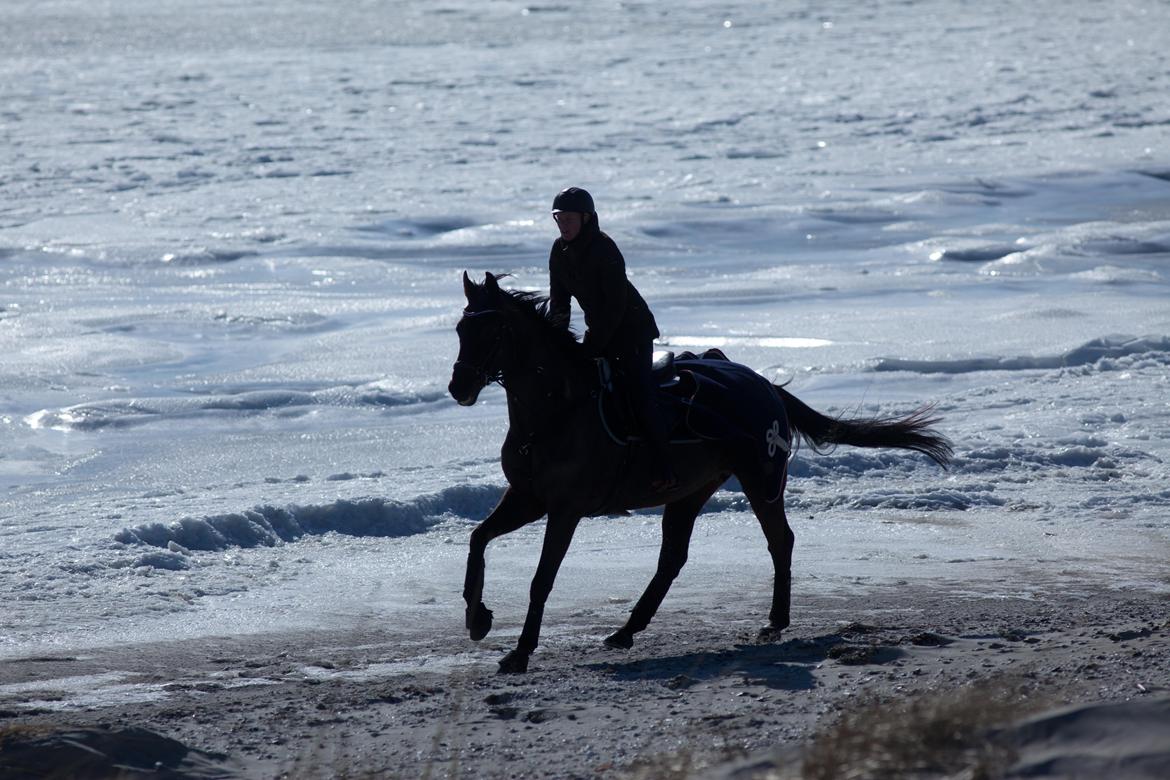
(950, 734)
(947, 734)
(708, 747)
(675, 766)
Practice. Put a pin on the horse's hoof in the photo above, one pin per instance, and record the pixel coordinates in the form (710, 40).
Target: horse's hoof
(514, 662)
(769, 634)
(479, 621)
(620, 640)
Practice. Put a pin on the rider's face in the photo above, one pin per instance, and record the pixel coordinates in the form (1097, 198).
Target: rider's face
(570, 223)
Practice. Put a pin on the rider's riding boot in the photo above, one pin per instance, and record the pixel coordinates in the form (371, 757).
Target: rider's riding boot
(640, 390)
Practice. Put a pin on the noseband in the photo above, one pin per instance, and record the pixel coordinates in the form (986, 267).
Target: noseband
(480, 369)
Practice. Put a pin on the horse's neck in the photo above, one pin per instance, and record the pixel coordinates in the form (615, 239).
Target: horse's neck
(543, 387)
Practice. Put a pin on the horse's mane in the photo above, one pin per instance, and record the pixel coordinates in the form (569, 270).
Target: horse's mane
(536, 308)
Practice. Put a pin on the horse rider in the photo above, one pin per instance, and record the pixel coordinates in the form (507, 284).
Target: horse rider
(587, 265)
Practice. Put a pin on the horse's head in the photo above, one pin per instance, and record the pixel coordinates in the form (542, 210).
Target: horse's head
(483, 340)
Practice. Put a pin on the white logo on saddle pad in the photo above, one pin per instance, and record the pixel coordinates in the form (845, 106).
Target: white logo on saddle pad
(775, 440)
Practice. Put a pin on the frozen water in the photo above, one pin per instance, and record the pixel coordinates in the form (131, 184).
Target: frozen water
(231, 241)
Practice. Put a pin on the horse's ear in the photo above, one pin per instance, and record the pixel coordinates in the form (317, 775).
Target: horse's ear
(468, 286)
(490, 282)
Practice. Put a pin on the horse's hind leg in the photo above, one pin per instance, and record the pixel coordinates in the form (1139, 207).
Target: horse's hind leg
(781, 540)
(678, 520)
(515, 509)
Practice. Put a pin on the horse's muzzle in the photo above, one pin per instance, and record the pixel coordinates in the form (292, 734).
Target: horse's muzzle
(465, 384)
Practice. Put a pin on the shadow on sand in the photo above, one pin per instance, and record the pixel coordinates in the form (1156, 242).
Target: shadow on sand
(788, 665)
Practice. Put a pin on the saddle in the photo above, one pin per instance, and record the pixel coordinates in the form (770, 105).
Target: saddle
(675, 387)
(663, 368)
(709, 398)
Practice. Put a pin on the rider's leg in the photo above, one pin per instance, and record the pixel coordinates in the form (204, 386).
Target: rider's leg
(638, 386)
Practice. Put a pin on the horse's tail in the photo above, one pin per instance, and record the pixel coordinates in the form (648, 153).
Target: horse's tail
(912, 432)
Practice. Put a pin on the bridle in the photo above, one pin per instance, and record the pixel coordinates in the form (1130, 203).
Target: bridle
(481, 369)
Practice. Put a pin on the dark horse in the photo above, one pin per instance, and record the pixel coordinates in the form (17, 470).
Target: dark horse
(561, 460)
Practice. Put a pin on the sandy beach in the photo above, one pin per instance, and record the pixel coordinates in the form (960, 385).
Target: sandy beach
(698, 696)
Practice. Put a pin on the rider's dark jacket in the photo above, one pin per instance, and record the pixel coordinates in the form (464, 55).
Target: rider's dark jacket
(591, 269)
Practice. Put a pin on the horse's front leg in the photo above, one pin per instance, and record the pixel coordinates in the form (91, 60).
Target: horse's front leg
(515, 509)
(557, 536)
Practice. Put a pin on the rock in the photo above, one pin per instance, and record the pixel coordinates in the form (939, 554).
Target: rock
(101, 753)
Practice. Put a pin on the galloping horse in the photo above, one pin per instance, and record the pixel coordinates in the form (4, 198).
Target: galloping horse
(562, 459)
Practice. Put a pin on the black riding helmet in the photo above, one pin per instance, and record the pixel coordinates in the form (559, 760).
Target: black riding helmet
(573, 199)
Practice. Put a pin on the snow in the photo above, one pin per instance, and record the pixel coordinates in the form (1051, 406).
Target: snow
(231, 242)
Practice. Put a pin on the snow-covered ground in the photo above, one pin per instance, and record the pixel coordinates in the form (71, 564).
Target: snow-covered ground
(231, 239)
